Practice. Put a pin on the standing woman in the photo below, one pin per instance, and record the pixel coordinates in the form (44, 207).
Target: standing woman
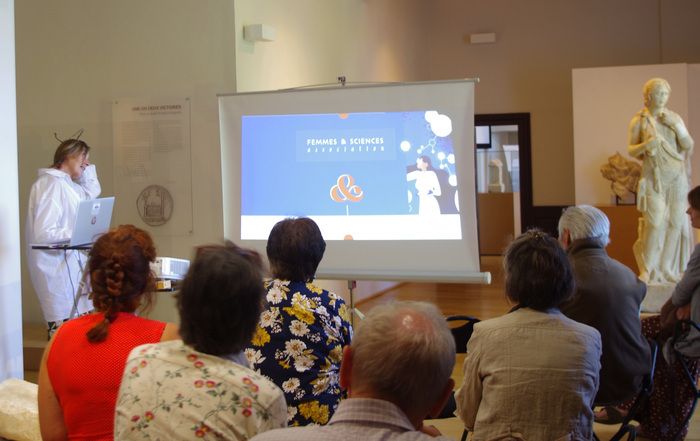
(82, 366)
(53, 205)
(427, 186)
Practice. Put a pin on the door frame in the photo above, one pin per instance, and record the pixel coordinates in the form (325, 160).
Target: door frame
(522, 121)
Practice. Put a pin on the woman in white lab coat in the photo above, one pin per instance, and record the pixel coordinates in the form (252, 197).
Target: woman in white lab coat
(427, 186)
(53, 205)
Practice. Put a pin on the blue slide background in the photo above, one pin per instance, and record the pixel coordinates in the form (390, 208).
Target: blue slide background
(283, 174)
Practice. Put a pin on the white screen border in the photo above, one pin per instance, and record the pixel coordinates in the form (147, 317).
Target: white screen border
(416, 260)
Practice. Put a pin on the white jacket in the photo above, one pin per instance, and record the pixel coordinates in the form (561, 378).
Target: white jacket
(53, 205)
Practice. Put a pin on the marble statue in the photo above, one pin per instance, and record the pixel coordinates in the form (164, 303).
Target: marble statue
(658, 137)
(623, 175)
(496, 184)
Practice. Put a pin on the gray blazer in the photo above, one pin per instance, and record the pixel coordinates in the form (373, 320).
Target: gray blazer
(688, 291)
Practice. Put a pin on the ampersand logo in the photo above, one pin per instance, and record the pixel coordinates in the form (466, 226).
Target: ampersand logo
(345, 190)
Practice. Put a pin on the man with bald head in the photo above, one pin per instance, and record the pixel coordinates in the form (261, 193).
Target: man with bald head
(396, 372)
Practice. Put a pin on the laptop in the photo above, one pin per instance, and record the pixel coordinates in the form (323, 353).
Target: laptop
(91, 221)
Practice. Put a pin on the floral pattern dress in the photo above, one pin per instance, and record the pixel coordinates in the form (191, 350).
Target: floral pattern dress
(169, 391)
(299, 345)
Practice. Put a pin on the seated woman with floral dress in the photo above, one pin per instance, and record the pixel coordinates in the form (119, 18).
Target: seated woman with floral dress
(303, 329)
(201, 386)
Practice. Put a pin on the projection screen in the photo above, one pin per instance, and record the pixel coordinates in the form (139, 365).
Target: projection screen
(386, 171)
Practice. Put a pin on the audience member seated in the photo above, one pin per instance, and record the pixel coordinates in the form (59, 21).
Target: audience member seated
(607, 297)
(532, 374)
(672, 399)
(397, 373)
(83, 363)
(201, 386)
(303, 328)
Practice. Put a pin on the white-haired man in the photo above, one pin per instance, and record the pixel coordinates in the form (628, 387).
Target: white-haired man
(396, 372)
(607, 297)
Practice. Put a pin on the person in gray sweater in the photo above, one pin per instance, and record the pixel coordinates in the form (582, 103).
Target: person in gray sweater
(608, 296)
(686, 295)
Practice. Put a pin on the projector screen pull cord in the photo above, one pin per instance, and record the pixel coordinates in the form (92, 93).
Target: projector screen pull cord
(352, 284)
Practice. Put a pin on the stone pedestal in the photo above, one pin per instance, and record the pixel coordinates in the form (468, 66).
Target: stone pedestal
(657, 294)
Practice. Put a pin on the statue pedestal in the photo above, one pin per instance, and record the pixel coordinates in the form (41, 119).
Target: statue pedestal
(657, 294)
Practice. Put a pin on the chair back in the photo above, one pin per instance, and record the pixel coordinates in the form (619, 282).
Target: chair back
(626, 427)
(462, 332)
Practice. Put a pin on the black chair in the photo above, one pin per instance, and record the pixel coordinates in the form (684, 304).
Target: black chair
(462, 333)
(682, 327)
(640, 401)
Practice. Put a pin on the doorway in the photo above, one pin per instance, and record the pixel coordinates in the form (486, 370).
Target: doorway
(503, 178)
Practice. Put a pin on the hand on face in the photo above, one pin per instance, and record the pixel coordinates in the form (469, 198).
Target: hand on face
(75, 165)
(85, 163)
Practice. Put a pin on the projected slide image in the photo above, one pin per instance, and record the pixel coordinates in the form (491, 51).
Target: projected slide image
(361, 176)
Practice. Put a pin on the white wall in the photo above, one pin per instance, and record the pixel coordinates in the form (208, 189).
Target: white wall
(693, 121)
(75, 56)
(10, 279)
(605, 100)
(539, 42)
(317, 41)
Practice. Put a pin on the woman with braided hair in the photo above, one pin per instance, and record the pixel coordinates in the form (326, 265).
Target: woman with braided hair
(82, 365)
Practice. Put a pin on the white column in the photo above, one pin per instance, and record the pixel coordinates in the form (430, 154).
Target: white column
(10, 277)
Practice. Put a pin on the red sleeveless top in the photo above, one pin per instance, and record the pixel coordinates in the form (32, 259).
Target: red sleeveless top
(86, 376)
